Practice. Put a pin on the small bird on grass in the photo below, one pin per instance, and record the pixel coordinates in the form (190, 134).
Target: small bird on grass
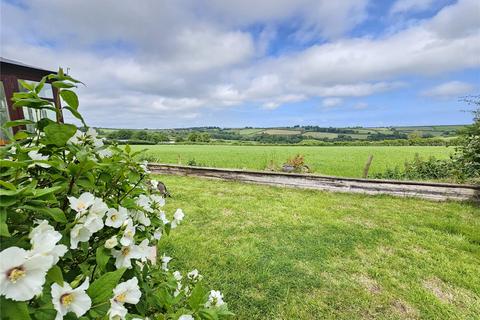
(161, 187)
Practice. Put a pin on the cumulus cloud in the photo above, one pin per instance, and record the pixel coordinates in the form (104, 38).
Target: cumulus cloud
(331, 102)
(402, 6)
(449, 89)
(156, 63)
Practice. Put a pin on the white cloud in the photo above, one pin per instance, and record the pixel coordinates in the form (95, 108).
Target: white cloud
(157, 62)
(324, 18)
(402, 6)
(331, 102)
(450, 89)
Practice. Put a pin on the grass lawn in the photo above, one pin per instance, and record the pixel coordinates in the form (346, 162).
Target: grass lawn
(337, 161)
(298, 254)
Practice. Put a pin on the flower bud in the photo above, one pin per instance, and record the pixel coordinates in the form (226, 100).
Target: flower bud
(112, 242)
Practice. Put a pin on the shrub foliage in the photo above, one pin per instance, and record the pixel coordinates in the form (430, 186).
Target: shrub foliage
(80, 225)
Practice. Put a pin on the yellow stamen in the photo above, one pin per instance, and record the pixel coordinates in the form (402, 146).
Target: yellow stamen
(113, 217)
(66, 299)
(121, 297)
(81, 205)
(16, 274)
(125, 251)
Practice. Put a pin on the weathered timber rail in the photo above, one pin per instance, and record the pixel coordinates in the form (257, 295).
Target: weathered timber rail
(425, 190)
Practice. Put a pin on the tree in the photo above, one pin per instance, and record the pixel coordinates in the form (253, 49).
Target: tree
(124, 134)
(193, 137)
(140, 135)
(467, 154)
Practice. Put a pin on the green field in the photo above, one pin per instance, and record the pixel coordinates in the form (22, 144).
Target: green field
(282, 132)
(321, 135)
(279, 253)
(343, 161)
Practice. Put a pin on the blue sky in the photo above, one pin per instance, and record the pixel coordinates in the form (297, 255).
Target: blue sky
(163, 64)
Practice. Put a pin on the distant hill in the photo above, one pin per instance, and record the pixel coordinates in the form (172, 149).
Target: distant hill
(293, 134)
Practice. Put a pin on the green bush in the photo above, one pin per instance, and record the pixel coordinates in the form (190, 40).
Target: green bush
(420, 169)
(80, 227)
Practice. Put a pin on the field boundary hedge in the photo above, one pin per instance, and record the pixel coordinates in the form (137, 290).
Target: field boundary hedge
(425, 190)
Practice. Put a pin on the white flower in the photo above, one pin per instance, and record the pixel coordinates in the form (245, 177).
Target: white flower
(104, 153)
(111, 243)
(82, 203)
(13, 150)
(151, 254)
(65, 299)
(157, 201)
(177, 218)
(144, 202)
(44, 240)
(154, 183)
(185, 317)
(99, 208)
(178, 289)
(115, 218)
(165, 260)
(36, 156)
(21, 276)
(141, 217)
(116, 311)
(91, 133)
(177, 275)
(144, 166)
(127, 292)
(157, 234)
(215, 299)
(128, 233)
(125, 254)
(144, 250)
(194, 275)
(76, 138)
(92, 222)
(163, 217)
(178, 215)
(98, 143)
(79, 233)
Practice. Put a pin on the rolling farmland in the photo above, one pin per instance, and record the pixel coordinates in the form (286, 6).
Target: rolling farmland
(346, 161)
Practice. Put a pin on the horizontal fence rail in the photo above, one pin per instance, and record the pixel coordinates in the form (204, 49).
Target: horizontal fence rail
(425, 190)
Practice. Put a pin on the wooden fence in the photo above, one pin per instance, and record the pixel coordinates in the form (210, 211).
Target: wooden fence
(425, 190)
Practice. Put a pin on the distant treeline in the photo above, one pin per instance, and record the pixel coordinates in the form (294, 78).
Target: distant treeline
(217, 135)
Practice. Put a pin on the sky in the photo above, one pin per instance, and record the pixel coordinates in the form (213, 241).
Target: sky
(265, 63)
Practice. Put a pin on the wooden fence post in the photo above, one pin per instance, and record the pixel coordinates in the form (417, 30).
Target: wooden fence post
(367, 166)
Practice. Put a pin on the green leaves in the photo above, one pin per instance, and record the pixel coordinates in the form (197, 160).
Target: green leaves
(101, 290)
(14, 310)
(55, 275)
(16, 123)
(102, 256)
(62, 84)
(70, 98)
(197, 297)
(29, 192)
(3, 224)
(55, 213)
(58, 133)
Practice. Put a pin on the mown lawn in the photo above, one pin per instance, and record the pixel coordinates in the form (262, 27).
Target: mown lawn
(298, 254)
(337, 161)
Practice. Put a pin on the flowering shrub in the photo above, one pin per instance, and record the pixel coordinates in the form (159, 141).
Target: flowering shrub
(80, 224)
